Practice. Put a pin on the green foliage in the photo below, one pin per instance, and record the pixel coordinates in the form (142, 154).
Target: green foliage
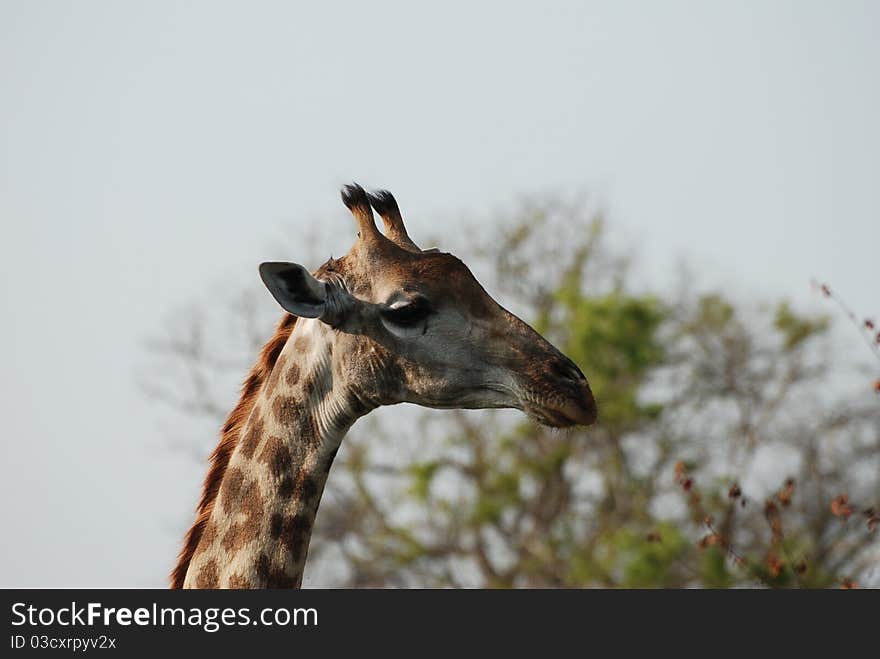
(648, 560)
(796, 329)
(422, 473)
(615, 337)
(714, 571)
(714, 314)
(499, 492)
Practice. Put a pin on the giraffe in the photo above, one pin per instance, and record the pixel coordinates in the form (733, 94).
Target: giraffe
(386, 323)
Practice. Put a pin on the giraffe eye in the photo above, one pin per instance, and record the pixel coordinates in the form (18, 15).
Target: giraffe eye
(408, 313)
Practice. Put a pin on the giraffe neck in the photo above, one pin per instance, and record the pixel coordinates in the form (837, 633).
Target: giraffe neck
(259, 531)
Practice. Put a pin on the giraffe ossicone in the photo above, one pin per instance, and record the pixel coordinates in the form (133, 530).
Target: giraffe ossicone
(387, 323)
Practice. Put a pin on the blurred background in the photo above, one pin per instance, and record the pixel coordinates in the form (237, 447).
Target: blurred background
(653, 185)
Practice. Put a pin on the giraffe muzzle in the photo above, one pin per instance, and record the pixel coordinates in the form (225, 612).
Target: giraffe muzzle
(567, 399)
(576, 406)
(580, 409)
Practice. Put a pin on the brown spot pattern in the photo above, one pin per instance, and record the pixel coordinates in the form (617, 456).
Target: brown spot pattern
(287, 410)
(312, 389)
(292, 376)
(308, 489)
(276, 456)
(272, 577)
(277, 370)
(209, 534)
(242, 532)
(237, 536)
(208, 576)
(231, 488)
(276, 525)
(293, 534)
(301, 344)
(286, 487)
(253, 435)
(264, 567)
(239, 582)
(252, 503)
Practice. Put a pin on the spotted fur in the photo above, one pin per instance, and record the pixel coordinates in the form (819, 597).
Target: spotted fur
(229, 440)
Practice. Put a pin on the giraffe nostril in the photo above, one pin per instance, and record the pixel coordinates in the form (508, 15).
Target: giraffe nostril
(574, 403)
(569, 369)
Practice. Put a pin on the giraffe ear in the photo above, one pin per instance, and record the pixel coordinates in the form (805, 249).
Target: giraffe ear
(295, 289)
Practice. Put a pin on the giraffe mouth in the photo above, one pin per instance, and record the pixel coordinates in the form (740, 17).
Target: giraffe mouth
(550, 418)
(578, 408)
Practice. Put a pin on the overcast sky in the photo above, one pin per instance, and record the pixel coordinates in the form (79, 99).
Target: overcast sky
(148, 150)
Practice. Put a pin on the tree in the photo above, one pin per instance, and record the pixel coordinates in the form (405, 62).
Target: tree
(722, 456)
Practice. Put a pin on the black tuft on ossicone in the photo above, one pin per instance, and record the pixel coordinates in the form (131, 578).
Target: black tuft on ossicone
(384, 203)
(353, 196)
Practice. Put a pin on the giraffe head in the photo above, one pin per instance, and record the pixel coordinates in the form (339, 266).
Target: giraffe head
(406, 325)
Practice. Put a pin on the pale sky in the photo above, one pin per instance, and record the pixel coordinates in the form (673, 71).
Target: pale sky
(150, 149)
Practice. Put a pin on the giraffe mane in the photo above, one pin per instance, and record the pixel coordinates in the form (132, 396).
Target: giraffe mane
(228, 441)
